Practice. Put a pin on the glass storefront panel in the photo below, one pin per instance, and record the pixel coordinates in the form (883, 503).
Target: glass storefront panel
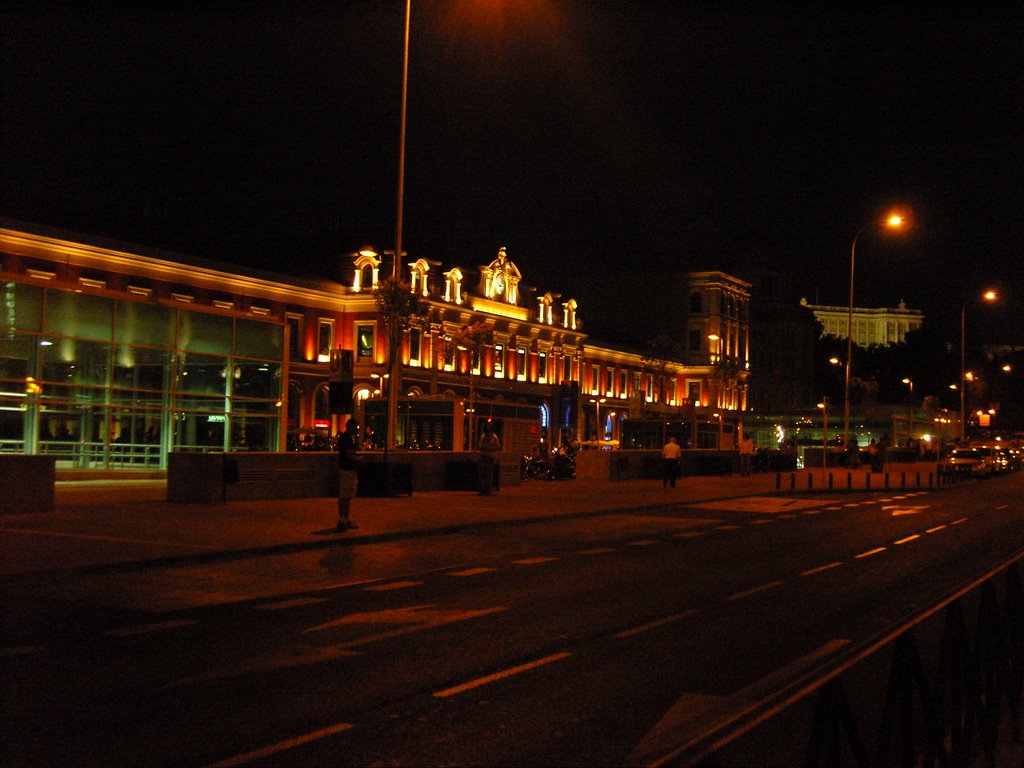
(253, 433)
(149, 324)
(202, 374)
(79, 314)
(257, 380)
(75, 433)
(199, 332)
(241, 405)
(141, 368)
(17, 360)
(256, 339)
(200, 432)
(76, 362)
(135, 437)
(22, 306)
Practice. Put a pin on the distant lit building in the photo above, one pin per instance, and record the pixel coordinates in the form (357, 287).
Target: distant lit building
(881, 326)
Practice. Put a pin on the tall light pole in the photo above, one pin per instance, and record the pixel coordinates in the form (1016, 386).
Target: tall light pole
(894, 222)
(910, 408)
(987, 296)
(396, 273)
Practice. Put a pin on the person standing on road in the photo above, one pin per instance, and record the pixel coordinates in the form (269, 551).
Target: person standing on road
(670, 455)
(348, 480)
(489, 446)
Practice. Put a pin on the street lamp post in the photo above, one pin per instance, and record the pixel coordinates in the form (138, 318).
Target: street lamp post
(399, 206)
(987, 296)
(894, 221)
(910, 408)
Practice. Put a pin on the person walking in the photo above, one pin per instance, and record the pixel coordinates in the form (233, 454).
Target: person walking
(348, 479)
(488, 447)
(670, 455)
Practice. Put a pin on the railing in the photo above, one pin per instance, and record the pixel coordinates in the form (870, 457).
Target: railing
(952, 719)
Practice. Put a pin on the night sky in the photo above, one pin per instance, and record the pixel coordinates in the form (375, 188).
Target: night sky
(607, 144)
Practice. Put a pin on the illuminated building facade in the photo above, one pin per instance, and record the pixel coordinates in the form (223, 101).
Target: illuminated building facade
(113, 356)
(874, 325)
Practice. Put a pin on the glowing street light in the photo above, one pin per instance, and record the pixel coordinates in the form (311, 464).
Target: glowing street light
(894, 221)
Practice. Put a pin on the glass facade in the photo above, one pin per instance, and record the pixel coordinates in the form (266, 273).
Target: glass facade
(101, 383)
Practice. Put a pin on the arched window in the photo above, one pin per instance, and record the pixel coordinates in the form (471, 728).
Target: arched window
(321, 404)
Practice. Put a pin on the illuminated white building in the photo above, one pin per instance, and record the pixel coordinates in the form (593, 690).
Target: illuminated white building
(871, 326)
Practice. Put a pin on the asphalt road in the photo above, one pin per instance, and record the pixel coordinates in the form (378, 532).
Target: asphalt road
(563, 643)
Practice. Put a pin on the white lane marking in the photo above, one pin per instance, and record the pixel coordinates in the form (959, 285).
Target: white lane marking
(641, 543)
(416, 617)
(500, 675)
(655, 624)
(1002, 506)
(763, 521)
(961, 520)
(281, 746)
(535, 560)
(786, 517)
(18, 650)
(901, 510)
(811, 512)
(392, 586)
(290, 603)
(727, 528)
(687, 535)
(821, 568)
(145, 629)
(597, 551)
(936, 528)
(472, 571)
(755, 590)
(908, 538)
(852, 504)
(91, 537)
(870, 552)
(832, 509)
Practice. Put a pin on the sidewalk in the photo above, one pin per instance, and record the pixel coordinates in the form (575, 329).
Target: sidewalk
(111, 525)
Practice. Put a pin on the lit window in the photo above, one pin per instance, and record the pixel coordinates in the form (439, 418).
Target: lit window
(499, 361)
(542, 368)
(521, 364)
(365, 341)
(325, 339)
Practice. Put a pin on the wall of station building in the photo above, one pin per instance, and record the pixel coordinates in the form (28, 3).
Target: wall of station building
(111, 360)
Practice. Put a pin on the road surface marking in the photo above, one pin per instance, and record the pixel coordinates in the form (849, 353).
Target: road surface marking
(727, 528)
(392, 586)
(909, 538)
(416, 618)
(870, 552)
(641, 543)
(290, 603)
(118, 539)
(1002, 506)
(145, 629)
(597, 551)
(755, 590)
(936, 528)
(534, 560)
(786, 517)
(812, 511)
(762, 521)
(852, 504)
(655, 624)
(909, 510)
(961, 520)
(472, 571)
(500, 675)
(281, 746)
(687, 535)
(821, 568)
(832, 509)
(18, 650)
